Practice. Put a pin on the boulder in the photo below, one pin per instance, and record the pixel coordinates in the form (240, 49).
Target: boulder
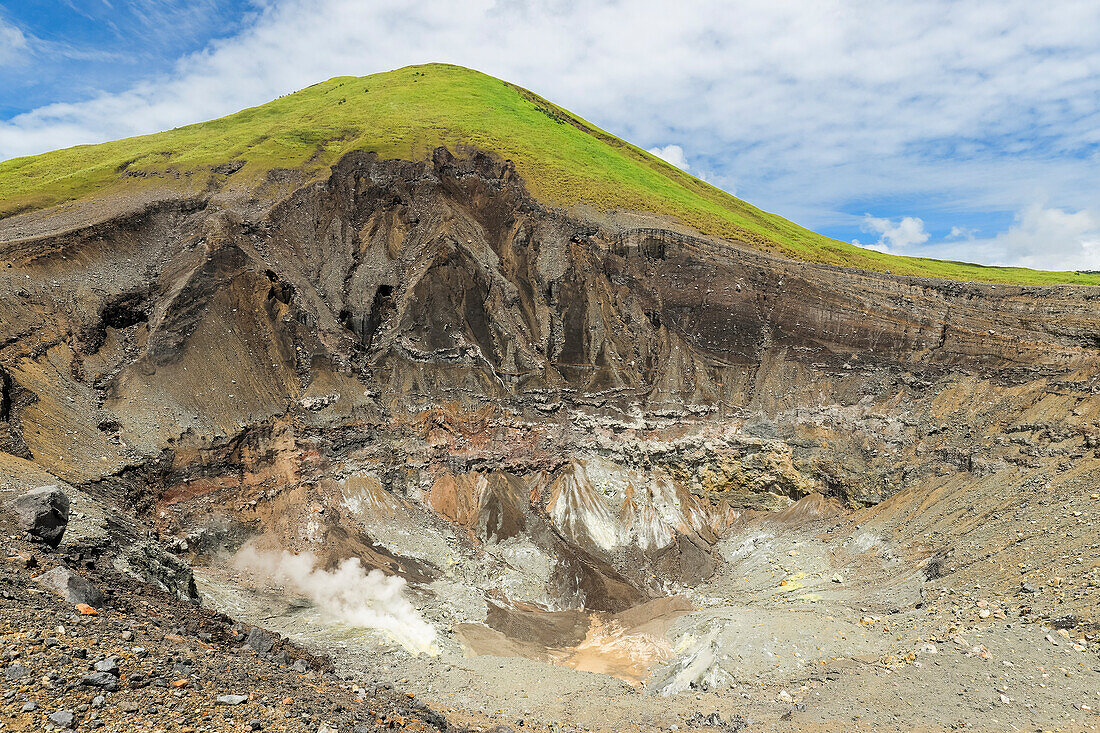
(260, 640)
(43, 513)
(16, 671)
(71, 586)
(109, 665)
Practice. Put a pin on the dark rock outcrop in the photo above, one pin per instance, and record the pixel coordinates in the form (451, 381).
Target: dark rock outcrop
(149, 561)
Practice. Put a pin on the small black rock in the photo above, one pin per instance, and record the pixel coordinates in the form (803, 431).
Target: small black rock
(102, 680)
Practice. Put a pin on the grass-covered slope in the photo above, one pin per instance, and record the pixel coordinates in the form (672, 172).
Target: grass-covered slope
(408, 112)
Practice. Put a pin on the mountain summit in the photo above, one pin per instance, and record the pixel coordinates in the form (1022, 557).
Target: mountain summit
(405, 114)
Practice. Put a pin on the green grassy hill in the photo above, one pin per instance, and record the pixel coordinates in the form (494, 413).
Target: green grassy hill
(408, 112)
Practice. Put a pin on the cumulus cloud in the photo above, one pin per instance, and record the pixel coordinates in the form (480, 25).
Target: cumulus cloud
(673, 154)
(1051, 239)
(896, 237)
(348, 593)
(1041, 237)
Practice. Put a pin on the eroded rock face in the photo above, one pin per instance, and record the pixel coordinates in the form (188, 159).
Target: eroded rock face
(12, 399)
(413, 343)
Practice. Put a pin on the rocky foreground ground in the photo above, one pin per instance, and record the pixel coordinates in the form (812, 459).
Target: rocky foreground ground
(148, 661)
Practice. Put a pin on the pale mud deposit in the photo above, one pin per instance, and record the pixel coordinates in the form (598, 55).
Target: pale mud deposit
(623, 645)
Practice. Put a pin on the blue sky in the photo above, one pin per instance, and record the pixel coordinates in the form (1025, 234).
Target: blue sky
(79, 48)
(930, 127)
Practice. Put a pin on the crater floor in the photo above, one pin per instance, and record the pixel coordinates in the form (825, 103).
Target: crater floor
(813, 621)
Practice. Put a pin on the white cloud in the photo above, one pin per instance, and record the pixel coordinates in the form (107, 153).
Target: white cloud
(894, 237)
(1041, 237)
(1050, 239)
(13, 43)
(673, 154)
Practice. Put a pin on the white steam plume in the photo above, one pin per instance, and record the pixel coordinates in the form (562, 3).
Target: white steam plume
(349, 593)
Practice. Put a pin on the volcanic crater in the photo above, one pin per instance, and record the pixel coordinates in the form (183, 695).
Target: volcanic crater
(583, 468)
